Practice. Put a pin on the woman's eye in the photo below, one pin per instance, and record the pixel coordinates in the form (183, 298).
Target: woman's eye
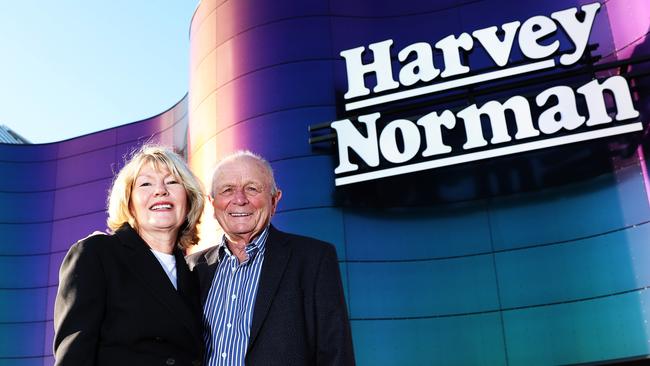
(172, 182)
(144, 184)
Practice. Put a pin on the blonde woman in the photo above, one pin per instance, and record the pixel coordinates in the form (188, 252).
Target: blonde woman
(129, 298)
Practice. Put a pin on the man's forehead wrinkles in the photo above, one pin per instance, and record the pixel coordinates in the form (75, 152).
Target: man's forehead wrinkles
(238, 183)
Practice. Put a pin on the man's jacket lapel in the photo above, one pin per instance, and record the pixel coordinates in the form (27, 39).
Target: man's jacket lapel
(209, 261)
(276, 257)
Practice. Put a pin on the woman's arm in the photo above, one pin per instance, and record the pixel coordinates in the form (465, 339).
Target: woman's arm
(80, 304)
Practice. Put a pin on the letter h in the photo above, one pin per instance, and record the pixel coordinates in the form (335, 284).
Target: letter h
(381, 66)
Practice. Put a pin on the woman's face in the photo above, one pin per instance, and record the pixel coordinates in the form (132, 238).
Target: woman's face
(158, 201)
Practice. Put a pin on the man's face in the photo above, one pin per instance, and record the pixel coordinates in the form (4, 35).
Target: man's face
(243, 203)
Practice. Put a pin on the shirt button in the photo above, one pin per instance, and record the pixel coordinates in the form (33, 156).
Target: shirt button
(170, 361)
(228, 325)
(233, 297)
(224, 355)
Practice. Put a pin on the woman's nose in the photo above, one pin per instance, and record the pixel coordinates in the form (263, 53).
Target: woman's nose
(161, 190)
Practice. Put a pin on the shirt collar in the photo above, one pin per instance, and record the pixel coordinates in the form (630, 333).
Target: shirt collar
(257, 245)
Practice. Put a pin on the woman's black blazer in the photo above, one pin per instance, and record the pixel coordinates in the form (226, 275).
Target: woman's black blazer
(116, 306)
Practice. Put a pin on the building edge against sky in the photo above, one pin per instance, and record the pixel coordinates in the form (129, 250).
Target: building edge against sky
(539, 272)
(51, 196)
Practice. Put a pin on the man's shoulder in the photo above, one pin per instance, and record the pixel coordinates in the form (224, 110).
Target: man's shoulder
(303, 243)
(197, 257)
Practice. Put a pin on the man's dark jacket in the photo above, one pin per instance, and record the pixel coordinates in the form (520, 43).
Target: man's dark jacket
(300, 316)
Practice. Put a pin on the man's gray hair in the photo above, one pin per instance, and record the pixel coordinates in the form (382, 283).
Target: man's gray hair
(245, 154)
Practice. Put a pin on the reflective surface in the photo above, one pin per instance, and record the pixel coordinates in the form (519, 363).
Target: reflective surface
(533, 259)
(52, 195)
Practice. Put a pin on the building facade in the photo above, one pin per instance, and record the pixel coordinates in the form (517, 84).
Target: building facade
(537, 257)
(51, 196)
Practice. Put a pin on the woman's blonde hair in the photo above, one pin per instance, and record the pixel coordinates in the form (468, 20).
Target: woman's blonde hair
(119, 197)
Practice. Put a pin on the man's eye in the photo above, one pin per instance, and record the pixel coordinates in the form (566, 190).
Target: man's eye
(253, 189)
(226, 191)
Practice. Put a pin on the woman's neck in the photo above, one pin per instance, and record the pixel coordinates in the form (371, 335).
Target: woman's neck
(159, 241)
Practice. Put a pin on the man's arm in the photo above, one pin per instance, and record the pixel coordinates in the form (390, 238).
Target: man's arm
(79, 307)
(334, 343)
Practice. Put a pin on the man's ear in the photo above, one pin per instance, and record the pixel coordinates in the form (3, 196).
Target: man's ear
(211, 200)
(276, 199)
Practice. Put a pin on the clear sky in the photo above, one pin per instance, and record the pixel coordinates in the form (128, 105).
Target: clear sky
(72, 67)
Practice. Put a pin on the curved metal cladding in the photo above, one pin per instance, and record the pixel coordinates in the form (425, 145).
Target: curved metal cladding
(259, 73)
(52, 195)
(485, 264)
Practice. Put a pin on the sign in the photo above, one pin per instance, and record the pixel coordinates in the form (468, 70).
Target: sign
(404, 146)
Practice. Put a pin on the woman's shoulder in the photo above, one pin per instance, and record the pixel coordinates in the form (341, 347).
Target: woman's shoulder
(97, 241)
(89, 254)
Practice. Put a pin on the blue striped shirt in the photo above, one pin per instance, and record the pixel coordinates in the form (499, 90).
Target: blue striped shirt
(228, 309)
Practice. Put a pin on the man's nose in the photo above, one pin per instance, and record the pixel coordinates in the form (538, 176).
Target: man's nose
(240, 197)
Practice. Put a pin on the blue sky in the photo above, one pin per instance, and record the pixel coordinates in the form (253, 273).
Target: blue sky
(72, 67)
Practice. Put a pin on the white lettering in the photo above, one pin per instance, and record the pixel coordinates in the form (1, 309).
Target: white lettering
(532, 32)
(563, 115)
(498, 50)
(594, 94)
(420, 69)
(388, 141)
(400, 140)
(450, 47)
(532, 39)
(348, 137)
(496, 114)
(381, 66)
(576, 30)
(432, 124)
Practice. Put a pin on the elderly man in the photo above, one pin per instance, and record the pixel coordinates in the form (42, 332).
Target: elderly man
(269, 298)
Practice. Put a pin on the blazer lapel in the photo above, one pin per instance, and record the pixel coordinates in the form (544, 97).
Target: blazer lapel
(205, 268)
(276, 257)
(188, 290)
(149, 272)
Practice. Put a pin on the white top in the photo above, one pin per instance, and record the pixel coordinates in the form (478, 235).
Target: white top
(168, 263)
